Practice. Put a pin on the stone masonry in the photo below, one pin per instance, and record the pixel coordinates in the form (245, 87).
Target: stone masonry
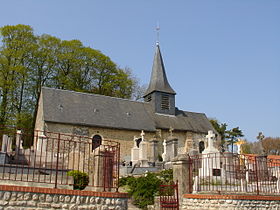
(221, 202)
(59, 199)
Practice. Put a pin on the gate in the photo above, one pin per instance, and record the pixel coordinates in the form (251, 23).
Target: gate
(169, 197)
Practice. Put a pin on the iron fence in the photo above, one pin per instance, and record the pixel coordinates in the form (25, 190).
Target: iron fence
(169, 198)
(54, 154)
(234, 173)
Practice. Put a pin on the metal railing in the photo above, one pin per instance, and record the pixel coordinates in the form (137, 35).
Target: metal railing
(234, 173)
(169, 198)
(54, 154)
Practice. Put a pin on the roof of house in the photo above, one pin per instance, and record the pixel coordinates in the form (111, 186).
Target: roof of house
(158, 81)
(69, 107)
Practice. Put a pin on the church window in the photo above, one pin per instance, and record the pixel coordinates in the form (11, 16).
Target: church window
(165, 102)
(201, 146)
(96, 141)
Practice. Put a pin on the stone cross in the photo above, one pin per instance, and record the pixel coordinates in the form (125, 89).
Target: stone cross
(142, 135)
(210, 137)
(171, 131)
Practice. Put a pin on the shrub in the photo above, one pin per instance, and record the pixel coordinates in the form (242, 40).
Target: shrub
(81, 179)
(143, 189)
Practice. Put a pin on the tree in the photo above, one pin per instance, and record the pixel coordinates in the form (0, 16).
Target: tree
(221, 128)
(28, 62)
(271, 145)
(233, 135)
(17, 43)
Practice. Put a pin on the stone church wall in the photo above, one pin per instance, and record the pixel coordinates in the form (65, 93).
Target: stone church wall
(125, 137)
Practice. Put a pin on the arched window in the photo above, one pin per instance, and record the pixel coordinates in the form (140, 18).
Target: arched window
(96, 141)
(201, 146)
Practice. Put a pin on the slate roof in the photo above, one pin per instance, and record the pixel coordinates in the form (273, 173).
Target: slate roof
(69, 107)
(158, 81)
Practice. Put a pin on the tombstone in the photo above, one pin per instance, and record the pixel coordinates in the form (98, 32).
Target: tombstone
(143, 151)
(9, 145)
(154, 150)
(42, 144)
(5, 139)
(135, 152)
(171, 148)
(164, 158)
(211, 159)
(18, 139)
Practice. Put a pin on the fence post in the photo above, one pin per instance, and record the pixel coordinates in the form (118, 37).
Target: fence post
(182, 173)
(57, 157)
(257, 178)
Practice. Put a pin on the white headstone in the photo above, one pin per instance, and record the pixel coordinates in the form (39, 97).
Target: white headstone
(9, 145)
(18, 139)
(4, 143)
(211, 159)
(210, 147)
(164, 158)
(143, 151)
(135, 152)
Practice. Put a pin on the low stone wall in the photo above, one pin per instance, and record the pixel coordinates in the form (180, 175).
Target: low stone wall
(196, 201)
(15, 197)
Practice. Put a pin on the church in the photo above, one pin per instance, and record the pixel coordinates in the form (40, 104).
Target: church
(103, 117)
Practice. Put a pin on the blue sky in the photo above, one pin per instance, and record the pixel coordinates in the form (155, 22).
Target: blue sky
(222, 57)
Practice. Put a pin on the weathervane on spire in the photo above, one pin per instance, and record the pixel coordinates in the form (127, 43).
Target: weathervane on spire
(157, 29)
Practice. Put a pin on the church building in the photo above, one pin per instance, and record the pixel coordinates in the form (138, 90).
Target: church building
(103, 117)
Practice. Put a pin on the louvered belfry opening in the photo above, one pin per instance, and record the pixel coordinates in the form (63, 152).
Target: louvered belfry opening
(165, 105)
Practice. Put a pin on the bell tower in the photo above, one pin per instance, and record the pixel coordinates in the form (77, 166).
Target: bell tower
(159, 93)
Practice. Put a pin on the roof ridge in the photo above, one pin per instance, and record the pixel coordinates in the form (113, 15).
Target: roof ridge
(94, 94)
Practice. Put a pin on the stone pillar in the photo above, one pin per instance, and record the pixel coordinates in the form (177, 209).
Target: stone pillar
(103, 169)
(4, 143)
(154, 150)
(182, 173)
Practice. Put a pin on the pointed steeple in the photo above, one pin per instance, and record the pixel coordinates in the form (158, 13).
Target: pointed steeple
(158, 81)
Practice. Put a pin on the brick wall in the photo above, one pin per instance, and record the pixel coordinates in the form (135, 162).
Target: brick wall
(237, 202)
(16, 197)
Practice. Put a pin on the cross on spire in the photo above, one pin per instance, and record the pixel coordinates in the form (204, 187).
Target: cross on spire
(157, 29)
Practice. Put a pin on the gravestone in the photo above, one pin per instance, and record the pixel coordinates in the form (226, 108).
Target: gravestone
(3, 153)
(5, 139)
(9, 145)
(164, 157)
(143, 151)
(211, 159)
(18, 139)
(171, 148)
(154, 150)
(135, 152)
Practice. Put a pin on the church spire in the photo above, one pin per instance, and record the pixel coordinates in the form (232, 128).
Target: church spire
(158, 81)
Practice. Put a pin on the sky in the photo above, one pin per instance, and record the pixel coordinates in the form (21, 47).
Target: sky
(222, 57)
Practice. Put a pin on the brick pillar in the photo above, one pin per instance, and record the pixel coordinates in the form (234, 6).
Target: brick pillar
(182, 173)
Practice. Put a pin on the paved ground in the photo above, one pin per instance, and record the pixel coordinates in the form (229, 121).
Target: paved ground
(131, 206)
